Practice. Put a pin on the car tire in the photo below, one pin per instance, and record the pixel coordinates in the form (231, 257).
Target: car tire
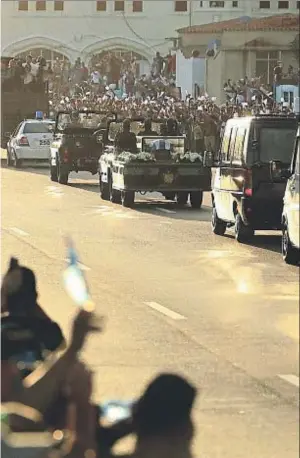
(104, 189)
(8, 159)
(62, 175)
(182, 198)
(53, 173)
(242, 232)
(290, 254)
(196, 199)
(218, 225)
(127, 198)
(17, 163)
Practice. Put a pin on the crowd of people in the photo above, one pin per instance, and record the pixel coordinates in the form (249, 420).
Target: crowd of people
(46, 388)
(114, 85)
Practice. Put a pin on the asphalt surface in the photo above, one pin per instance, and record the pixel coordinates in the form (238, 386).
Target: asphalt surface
(176, 298)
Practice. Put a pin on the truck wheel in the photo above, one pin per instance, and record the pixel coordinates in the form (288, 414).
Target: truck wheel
(53, 173)
(114, 194)
(290, 254)
(62, 175)
(127, 198)
(196, 198)
(218, 225)
(182, 198)
(242, 232)
(104, 190)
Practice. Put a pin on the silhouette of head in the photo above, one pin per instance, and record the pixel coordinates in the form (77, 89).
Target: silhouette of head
(18, 290)
(165, 406)
(126, 125)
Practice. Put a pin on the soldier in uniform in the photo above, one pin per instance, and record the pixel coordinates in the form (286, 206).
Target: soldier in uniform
(126, 140)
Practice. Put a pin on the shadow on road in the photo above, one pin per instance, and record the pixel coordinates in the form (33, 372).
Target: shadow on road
(266, 242)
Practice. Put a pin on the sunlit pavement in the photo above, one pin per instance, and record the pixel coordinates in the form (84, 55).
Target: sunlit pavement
(176, 298)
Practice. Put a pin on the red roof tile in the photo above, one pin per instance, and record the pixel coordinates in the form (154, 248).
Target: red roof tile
(277, 22)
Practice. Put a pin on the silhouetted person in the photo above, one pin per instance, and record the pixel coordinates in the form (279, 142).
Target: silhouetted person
(148, 132)
(162, 419)
(126, 140)
(24, 319)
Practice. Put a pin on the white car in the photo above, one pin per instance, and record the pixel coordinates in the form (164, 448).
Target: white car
(30, 142)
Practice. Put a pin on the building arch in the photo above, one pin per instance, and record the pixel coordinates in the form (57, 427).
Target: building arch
(117, 43)
(30, 43)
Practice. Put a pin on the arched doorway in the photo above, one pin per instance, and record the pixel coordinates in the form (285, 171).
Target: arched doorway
(49, 55)
(122, 60)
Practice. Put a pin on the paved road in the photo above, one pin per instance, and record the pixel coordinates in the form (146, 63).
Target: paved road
(176, 298)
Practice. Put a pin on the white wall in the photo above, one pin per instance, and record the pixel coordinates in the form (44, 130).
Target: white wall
(81, 30)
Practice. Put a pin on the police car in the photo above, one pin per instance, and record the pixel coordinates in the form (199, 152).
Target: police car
(30, 142)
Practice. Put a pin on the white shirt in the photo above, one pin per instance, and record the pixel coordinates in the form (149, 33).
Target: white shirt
(95, 77)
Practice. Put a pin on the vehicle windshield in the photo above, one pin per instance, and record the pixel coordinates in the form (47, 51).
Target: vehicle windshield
(135, 127)
(176, 144)
(37, 128)
(276, 144)
(82, 120)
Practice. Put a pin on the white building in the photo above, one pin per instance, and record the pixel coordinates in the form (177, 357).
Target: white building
(83, 28)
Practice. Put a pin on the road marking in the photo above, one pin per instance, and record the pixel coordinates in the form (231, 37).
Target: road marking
(54, 191)
(165, 311)
(290, 378)
(18, 231)
(281, 298)
(165, 210)
(82, 266)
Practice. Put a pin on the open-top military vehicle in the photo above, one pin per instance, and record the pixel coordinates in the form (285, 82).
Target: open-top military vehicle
(161, 164)
(78, 142)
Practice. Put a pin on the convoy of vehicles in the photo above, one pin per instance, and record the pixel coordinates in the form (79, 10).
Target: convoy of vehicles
(255, 185)
(30, 142)
(161, 164)
(291, 209)
(248, 186)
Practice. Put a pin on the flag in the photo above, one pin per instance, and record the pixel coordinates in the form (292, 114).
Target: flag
(74, 280)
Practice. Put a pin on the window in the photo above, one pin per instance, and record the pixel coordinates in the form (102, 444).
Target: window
(264, 5)
(275, 143)
(266, 61)
(23, 6)
(180, 7)
(216, 4)
(119, 5)
(36, 128)
(283, 5)
(137, 6)
(225, 144)
(232, 142)
(201, 4)
(235, 4)
(40, 5)
(298, 5)
(239, 145)
(58, 5)
(101, 6)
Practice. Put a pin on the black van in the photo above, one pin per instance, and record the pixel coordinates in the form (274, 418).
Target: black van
(291, 210)
(249, 185)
